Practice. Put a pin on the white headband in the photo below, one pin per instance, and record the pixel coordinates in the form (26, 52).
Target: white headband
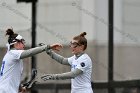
(19, 37)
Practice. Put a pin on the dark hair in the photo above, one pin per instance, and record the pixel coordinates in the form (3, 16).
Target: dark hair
(81, 39)
(11, 35)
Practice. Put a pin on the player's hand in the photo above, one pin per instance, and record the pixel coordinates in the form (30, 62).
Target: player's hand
(23, 90)
(48, 77)
(56, 46)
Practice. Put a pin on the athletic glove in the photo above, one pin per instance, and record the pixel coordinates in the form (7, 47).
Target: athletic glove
(49, 77)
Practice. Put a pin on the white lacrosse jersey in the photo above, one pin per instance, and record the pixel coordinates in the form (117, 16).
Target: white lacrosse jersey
(11, 70)
(81, 83)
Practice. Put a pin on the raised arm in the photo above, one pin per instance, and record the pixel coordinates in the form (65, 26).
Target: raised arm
(63, 76)
(57, 57)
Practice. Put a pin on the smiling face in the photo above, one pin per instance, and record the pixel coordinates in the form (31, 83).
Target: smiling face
(75, 47)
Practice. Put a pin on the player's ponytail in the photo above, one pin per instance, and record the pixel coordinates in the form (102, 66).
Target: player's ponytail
(11, 35)
(81, 39)
(9, 32)
(83, 34)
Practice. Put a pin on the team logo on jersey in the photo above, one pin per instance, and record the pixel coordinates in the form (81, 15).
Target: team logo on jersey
(82, 64)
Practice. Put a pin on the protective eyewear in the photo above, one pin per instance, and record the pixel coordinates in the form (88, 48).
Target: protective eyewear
(74, 44)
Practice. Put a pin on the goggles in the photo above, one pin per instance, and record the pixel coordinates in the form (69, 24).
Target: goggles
(74, 44)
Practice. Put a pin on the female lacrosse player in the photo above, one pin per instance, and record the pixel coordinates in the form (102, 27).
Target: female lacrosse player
(12, 65)
(81, 66)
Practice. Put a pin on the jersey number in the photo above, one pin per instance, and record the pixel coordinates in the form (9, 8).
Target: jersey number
(2, 68)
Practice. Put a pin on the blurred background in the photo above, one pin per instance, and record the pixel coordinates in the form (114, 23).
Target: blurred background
(113, 31)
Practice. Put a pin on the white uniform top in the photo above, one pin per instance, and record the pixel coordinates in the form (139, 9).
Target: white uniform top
(11, 70)
(81, 83)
